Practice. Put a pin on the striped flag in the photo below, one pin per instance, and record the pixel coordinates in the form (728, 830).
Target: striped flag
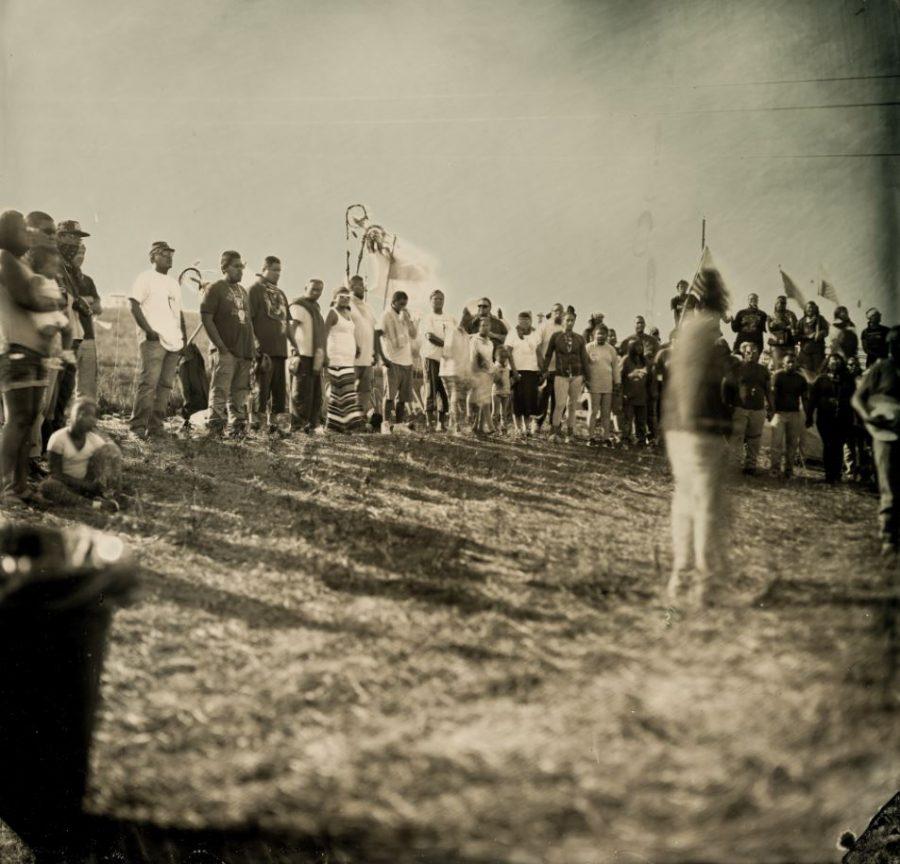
(827, 290)
(791, 290)
(706, 279)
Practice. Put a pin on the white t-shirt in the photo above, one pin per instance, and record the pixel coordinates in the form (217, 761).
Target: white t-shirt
(547, 329)
(75, 461)
(438, 325)
(524, 350)
(364, 322)
(396, 342)
(303, 332)
(159, 297)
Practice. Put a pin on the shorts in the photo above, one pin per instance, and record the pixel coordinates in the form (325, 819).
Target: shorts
(365, 379)
(22, 367)
(399, 383)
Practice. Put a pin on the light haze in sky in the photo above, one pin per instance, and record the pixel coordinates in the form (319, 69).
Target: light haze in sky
(540, 151)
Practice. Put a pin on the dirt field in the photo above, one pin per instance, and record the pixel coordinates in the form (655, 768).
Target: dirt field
(442, 650)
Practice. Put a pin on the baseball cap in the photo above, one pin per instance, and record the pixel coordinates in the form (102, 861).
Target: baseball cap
(71, 226)
(160, 246)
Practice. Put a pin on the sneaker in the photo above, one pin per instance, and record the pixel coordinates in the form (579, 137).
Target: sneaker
(385, 428)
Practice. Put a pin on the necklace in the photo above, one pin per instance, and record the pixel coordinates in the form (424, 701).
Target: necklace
(237, 300)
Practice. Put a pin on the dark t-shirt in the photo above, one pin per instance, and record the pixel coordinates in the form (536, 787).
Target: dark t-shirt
(229, 306)
(269, 314)
(87, 288)
(749, 324)
(497, 332)
(874, 342)
(788, 388)
(677, 304)
(752, 383)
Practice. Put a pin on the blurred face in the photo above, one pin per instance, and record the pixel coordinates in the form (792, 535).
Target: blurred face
(841, 314)
(790, 362)
(613, 338)
(834, 364)
(14, 235)
(524, 324)
(569, 322)
(342, 300)
(853, 366)
(874, 317)
(484, 327)
(398, 304)
(358, 287)
(234, 269)
(557, 313)
(810, 309)
(753, 301)
(78, 258)
(437, 302)
(484, 307)
(780, 304)
(85, 417)
(749, 352)
(162, 260)
(639, 325)
(600, 335)
(314, 289)
(272, 272)
(682, 289)
(47, 227)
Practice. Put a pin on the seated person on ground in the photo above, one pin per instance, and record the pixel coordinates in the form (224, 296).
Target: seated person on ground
(83, 464)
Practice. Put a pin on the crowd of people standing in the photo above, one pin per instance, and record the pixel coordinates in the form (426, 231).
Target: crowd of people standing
(280, 366)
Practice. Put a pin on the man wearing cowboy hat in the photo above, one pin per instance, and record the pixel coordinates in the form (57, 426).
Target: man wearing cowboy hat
(85, 306)
(156, 307)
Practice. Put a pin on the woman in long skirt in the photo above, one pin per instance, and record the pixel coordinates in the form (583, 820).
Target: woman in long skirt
(344, 412)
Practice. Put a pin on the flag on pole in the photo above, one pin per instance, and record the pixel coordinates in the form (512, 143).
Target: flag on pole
(827, 290)
(706, 279)
(397, 265)
(791, 290)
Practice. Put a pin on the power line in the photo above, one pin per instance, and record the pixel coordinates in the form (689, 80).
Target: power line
(798, 80)
(888, 104)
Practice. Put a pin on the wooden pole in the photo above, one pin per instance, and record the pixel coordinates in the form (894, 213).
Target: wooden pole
(388, 280)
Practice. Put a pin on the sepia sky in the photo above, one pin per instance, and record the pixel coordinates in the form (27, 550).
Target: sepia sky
(540, 151)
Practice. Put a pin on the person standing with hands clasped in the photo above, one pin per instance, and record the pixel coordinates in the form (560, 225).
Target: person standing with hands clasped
(225, 313)
(156, 308)
(393, 344)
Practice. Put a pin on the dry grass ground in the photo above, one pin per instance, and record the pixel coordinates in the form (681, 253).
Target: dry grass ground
(432, 649)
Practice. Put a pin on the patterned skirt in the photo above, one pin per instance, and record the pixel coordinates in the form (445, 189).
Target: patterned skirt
(344, 413)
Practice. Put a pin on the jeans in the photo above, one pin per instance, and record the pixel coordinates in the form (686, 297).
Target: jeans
(699, 505)
(887, 467)
(599, 405)
(229, 390)
(787, 432)
(434, 389)
(634, 418)
(86, 370)
(567, 392)
(306, 395)
(746, 434)
(155, 378)
(270, 399)
(21, 407)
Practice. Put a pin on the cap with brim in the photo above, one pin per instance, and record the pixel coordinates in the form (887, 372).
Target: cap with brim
(160, 246)
(71, 226)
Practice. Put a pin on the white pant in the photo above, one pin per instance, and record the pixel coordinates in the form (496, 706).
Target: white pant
(699, 506)
(567, 392)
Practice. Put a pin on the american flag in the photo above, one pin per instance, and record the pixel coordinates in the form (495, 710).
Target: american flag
(706, 279)
(791, 290)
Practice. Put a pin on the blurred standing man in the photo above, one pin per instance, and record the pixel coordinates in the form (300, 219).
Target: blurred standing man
(651, 343)
(697, 423)
(156, 307)
(677, 302)
(497, 330)
(874, 337)
(547, 329)
(783, 332)
(750, 324)
(309, 338)
(754, 401)
(877, 401)
(393, 343)
(225, 313)
(85, 305)
(789, 394)
(269, 316)
(435, 328)
(364, 322)
(603, 373)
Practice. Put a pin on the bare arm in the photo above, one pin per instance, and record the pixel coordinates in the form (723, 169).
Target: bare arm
(82, 487)
(138, 315)
(15, 278)
(213, 332)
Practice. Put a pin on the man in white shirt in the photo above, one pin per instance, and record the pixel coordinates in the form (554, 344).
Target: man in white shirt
(525, 343)
(550, 326)
(156, 307)
(435, 328)
(393, 344)
(306, 374)
(603, 373)
(364, 323)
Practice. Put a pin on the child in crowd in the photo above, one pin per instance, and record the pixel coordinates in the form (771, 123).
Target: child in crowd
(502, 389)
